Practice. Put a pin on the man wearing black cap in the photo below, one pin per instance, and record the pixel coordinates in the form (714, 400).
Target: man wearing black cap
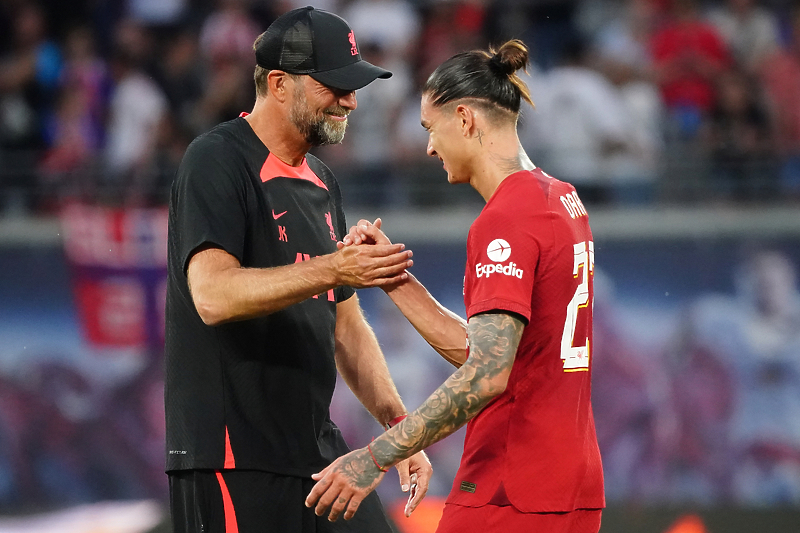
(260, 306)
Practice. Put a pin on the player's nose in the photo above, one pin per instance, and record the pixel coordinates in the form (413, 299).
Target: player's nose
(430, 150)
(348, 101)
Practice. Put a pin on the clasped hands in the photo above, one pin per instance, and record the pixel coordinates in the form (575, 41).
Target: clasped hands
(382, 265)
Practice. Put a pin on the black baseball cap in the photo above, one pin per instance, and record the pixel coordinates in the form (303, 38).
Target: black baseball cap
(320, 44)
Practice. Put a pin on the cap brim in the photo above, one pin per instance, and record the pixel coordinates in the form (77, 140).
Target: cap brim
(351, 77)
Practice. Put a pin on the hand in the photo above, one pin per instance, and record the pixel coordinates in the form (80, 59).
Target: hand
(415, 474)
(365, 232)
(372, 266)
(350, 478)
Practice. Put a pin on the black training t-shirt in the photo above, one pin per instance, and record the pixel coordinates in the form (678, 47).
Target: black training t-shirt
(252, 394)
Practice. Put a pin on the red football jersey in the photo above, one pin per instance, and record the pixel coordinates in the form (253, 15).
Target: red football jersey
(531, 252)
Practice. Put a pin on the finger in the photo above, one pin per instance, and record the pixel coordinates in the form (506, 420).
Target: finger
(341, 244)
(355, 501)
(391, 271)
(385, 250)
(323, 472)
(373, 232)
(387, 282)
(377, 223)
(338, 506)
(402, 258)
(404, 475)
(318, 489)
(422, 489)
(327, 499)
(411, 494)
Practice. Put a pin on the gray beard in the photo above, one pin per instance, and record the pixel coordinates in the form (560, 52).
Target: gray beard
(318, 131)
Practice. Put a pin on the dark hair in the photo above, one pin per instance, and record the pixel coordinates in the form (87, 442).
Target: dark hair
(486, 75)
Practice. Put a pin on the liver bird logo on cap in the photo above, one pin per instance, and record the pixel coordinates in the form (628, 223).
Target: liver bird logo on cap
(353, 47)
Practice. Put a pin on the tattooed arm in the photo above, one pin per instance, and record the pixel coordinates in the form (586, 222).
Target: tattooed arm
(494, 338)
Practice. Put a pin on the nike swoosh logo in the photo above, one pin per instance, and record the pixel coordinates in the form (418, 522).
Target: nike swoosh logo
(279, 215)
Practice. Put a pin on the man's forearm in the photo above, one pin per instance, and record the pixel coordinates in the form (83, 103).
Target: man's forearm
(237, 293)
(361, 363)
(493, 344)
(224, 291)
(444, 330)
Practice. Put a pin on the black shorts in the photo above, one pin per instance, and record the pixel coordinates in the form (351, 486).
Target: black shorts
(252, 501)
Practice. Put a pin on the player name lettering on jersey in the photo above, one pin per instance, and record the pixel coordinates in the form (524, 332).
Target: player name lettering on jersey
(506, 270)
(573, 204)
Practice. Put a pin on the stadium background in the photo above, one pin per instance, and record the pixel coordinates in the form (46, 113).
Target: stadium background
(678, 121)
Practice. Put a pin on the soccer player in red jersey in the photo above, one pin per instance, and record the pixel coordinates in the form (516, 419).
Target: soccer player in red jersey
(531, 461)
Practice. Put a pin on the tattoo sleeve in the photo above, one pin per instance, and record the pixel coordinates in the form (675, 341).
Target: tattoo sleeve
(493, 341)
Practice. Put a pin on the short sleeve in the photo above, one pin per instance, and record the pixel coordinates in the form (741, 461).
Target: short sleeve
(502, 255)
(209, 200)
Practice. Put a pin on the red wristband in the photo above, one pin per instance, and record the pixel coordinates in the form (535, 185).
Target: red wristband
(394, 421)
(375, 460)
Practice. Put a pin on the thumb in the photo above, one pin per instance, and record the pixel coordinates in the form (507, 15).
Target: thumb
(377, 223)
(404, 474)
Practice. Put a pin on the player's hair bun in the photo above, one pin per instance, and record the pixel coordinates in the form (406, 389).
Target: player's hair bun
(489, 75)
(512, 56)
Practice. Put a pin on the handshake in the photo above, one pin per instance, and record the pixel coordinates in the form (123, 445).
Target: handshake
(366, 257)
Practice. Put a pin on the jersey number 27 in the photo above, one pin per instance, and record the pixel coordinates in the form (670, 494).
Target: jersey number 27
(575, 352)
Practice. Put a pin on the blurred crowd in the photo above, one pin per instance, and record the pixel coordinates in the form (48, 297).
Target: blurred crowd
(637, 101)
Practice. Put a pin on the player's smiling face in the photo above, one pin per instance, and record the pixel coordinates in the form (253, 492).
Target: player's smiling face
(445, 139)
(320, 112)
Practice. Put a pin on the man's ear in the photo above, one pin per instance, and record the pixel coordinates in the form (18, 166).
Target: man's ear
(278, 84)
(466, 116)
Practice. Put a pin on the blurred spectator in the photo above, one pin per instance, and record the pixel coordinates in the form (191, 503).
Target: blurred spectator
(450, 28)
(738, 136)
(182, 77)
(689, 54)
(547, 26)
(137, 107)
(226, 42)
(738, 435)
(770, 379)
(228, 33)
(749, 31)
(592, 16)
(157, 12)
(152, 185)
(781, 77)
(76, 131)
(29, 76)
(582, 123)
(622, 42)
(137, 43)
(623, 54)
(370, 177)
(391, 25)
